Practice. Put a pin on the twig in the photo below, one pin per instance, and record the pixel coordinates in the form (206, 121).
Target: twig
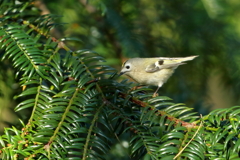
(190, 140)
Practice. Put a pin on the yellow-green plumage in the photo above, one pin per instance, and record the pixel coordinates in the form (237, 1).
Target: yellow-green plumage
(152, 71)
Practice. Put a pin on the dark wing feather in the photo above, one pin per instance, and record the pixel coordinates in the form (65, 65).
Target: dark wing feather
(157, 66)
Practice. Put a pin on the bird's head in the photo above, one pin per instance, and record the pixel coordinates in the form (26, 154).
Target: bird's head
(126, 67)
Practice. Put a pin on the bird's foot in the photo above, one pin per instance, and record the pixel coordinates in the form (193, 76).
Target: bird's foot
(136, 87)
(155, 95)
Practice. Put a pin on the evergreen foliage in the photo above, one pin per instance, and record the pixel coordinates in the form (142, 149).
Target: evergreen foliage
(80, 110)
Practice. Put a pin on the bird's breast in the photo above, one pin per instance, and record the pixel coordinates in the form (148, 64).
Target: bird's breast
(154, 78)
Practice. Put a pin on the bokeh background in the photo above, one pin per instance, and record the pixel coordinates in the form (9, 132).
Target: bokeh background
(121, 29)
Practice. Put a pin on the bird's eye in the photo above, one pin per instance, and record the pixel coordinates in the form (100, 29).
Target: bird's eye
(128, 67)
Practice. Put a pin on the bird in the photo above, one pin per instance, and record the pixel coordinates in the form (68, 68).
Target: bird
(152, 71)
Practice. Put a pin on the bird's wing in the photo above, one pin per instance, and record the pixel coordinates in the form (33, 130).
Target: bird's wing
(162, 64)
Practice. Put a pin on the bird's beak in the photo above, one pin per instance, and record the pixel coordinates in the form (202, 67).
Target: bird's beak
(121, 73)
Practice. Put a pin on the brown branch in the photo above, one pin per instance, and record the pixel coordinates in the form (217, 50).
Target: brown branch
(44, 10)
(40, 5)
(159, 112)
(88, 7)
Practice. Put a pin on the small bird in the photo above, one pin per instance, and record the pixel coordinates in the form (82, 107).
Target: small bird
(152, 71)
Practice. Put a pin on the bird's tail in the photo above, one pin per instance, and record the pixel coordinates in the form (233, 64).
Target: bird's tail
(187, 58)
(180, 59)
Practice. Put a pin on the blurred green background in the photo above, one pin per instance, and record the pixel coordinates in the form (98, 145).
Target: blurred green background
(120, 29)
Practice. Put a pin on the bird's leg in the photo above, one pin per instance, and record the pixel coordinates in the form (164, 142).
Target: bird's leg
(155, 94)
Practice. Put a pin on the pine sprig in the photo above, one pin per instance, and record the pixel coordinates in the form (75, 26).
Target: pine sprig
(79, 109)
